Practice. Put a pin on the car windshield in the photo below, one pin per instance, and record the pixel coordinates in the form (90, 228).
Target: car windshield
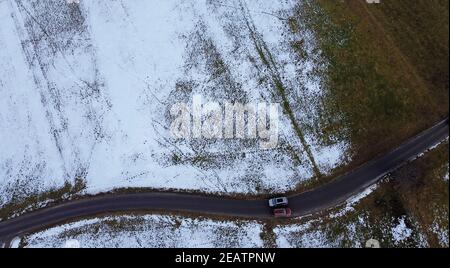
(279, 200)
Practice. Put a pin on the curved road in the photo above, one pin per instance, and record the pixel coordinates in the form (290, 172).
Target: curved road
(321, 198)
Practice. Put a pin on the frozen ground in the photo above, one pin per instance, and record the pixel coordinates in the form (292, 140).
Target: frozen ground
(85, 92)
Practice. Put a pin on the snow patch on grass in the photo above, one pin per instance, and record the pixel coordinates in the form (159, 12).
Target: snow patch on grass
(301, 236)
(401, 232)
(446, 173)
(441, 233)
(349, 205)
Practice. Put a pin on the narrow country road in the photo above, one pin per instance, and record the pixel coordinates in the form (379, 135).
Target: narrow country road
(321, 198)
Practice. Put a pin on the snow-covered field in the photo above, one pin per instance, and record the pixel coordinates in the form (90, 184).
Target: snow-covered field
(150, 232)
(85, 93)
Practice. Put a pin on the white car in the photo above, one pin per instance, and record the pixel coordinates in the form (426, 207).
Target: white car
(278, 202)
